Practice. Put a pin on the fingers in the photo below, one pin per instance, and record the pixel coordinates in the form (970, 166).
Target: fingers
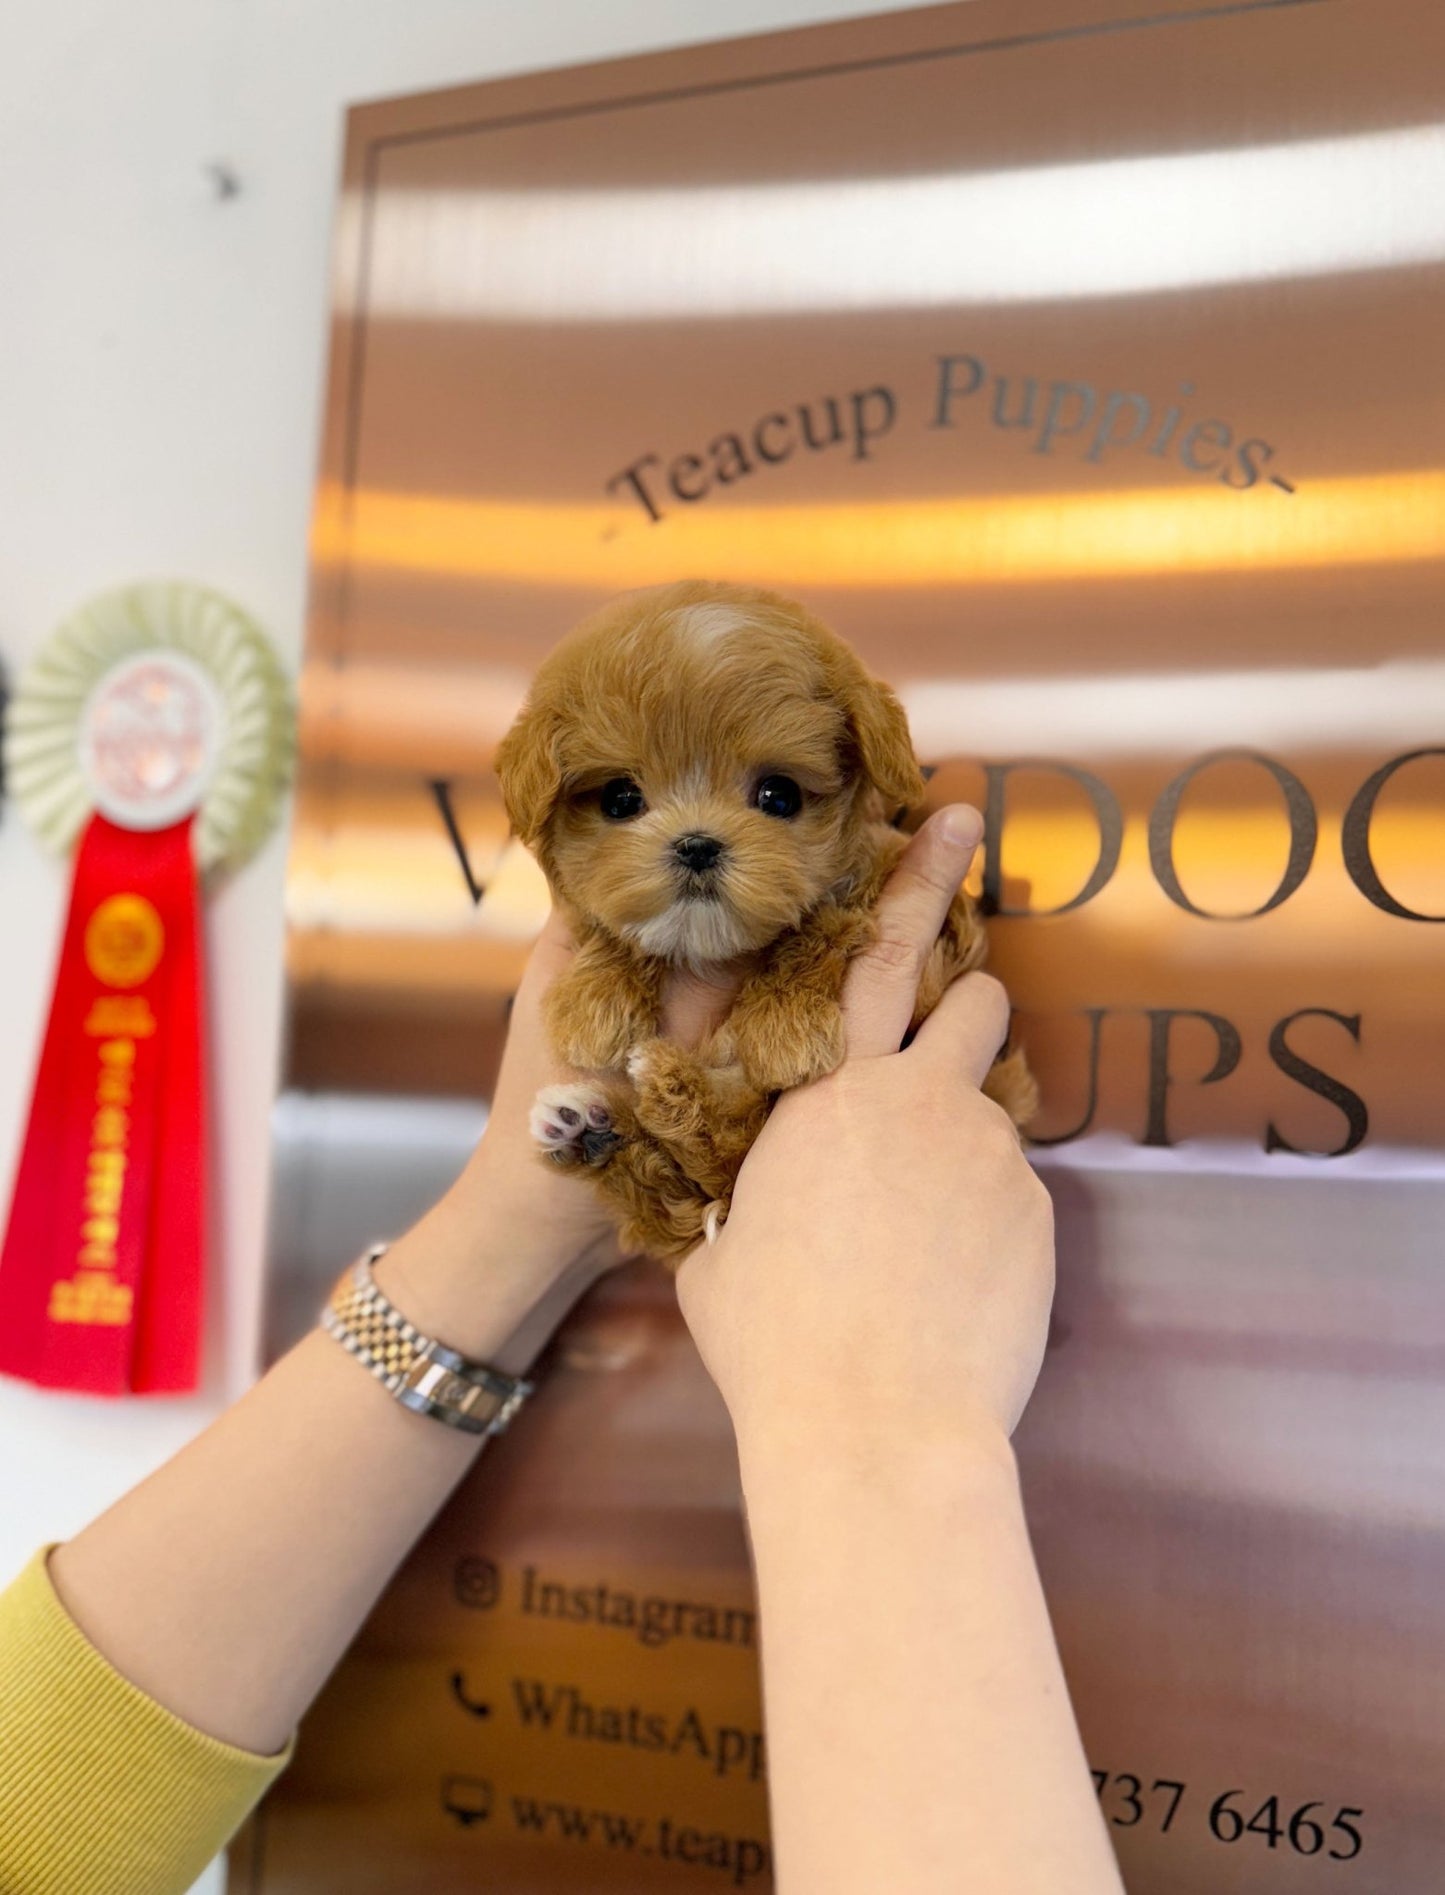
(967, 1028)
(551, 951)
(882, 983)
(555, 939)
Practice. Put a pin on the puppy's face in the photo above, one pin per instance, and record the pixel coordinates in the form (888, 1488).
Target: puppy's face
(693, 768)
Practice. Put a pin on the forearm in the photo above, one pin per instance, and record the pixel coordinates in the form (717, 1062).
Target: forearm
(920, 1734)
(228, 1584)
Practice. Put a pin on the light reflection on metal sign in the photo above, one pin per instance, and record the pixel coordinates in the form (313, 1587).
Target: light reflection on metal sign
(1085, 374)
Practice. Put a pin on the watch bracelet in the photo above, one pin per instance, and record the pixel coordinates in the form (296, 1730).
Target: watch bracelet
(421, 1373)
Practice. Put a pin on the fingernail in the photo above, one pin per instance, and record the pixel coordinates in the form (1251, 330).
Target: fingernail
(963, 827)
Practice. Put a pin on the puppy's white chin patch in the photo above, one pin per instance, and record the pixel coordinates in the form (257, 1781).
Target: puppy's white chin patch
(692, 931)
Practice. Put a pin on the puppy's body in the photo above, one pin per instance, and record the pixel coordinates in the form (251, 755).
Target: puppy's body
(706, 775)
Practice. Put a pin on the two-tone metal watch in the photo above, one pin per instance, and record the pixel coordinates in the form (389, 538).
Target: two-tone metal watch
(422, 1373)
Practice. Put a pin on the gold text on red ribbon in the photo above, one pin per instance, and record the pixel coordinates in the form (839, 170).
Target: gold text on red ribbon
(93, 1295)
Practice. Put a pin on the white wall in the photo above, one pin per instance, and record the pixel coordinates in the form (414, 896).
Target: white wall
(161, 369)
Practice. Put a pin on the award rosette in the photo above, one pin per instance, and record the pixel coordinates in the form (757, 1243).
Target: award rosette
(155, 728)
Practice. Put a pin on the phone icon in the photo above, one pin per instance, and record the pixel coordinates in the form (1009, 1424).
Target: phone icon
(479, 1707)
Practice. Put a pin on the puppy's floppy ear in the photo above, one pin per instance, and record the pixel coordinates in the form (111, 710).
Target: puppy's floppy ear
(885, 749)
(530, 771)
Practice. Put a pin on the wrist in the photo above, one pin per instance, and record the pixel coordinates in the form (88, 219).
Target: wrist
(478, 1274)
(901, 1454)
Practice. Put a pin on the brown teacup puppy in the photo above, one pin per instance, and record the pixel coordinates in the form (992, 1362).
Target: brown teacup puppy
(707, 776)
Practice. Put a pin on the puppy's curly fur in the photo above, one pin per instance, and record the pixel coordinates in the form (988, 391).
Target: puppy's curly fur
(706, 775)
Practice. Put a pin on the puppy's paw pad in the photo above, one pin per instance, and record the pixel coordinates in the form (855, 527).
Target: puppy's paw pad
(563, 1116)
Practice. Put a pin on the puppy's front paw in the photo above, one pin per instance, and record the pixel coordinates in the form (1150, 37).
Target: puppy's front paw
(640, 1060)
(672, 1091)
(785, 1045)
(573, 1124)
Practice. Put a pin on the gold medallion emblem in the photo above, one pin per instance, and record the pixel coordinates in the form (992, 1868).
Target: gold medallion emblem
(123, 941)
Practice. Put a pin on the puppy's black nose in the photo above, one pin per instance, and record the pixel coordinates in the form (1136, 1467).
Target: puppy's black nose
(698, 853)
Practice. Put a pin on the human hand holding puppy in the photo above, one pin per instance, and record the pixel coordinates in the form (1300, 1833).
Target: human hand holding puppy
(887, 1268)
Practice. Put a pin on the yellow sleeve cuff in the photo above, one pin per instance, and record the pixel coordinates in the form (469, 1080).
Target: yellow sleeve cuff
(102, 1790)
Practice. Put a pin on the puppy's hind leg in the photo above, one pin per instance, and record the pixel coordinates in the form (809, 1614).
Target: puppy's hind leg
(1009, 1083)
(705, 1116)
(660, 1211)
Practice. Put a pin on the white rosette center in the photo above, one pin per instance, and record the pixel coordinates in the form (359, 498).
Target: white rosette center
(150, 739)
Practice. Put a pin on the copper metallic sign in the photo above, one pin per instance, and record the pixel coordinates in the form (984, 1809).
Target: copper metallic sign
(1084, 369)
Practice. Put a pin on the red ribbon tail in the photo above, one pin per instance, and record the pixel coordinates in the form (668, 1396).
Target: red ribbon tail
(101, 1274)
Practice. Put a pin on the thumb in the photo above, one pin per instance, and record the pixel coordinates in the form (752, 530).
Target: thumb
(882, 984)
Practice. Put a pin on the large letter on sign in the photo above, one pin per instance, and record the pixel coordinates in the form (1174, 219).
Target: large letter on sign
(1355, 839)
(1106, 813)
(1303, 834)
(1305, 1073)
(1161, 1020)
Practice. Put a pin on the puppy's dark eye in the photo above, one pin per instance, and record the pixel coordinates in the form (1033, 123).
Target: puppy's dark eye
(621, 798)
(778, 796)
